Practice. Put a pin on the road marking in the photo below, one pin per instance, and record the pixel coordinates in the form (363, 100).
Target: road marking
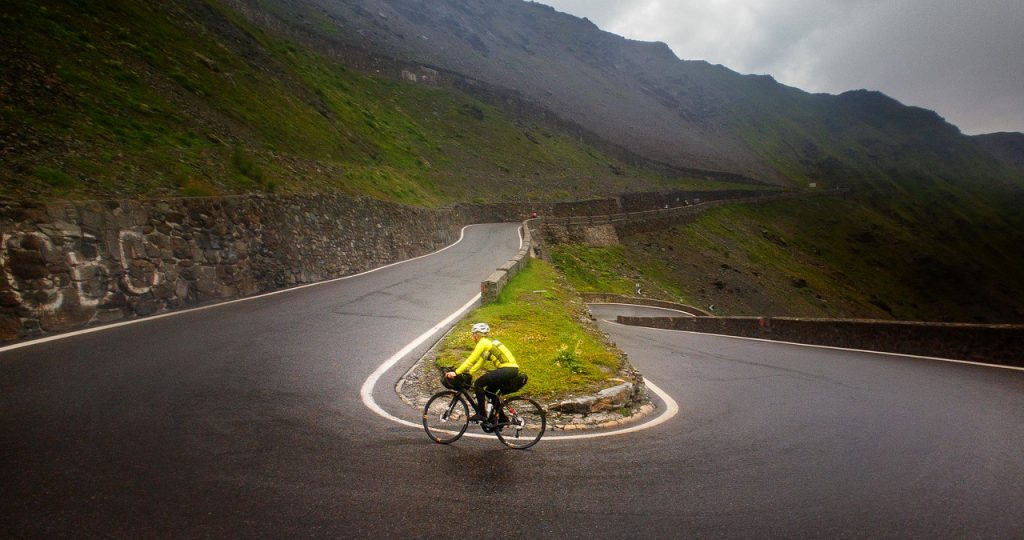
(671, 409)
(462, 234)
(641, 305)
(366, 392)
(810, 345)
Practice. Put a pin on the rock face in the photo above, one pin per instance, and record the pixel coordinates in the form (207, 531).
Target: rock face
(624, 402)
(68, 265)
(63, 266)
(645, 102)
(608, 399)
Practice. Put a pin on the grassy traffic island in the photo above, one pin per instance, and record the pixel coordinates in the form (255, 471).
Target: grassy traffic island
(582, 377)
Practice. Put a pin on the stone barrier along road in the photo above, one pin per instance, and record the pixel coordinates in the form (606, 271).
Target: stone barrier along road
(491, 287)
(68, 265)
(611, 298)
(582, 228)
(247, 418)
(993, 344)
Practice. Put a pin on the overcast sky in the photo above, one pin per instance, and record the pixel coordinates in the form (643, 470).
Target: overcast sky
(961, 58)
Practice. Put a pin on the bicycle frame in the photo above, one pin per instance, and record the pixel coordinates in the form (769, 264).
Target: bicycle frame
(493, 397)
(503, 421)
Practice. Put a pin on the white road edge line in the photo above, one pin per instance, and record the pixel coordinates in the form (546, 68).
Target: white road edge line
(881, 353)
(641, 305)
(462, 234)
(366, 392)
(671, 409)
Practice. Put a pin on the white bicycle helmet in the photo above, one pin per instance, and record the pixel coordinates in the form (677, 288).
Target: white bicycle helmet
(481, 328)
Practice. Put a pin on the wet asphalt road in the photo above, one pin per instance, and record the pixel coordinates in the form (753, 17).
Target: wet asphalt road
(245, 420)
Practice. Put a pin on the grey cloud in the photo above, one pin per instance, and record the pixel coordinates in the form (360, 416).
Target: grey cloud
(963, 60)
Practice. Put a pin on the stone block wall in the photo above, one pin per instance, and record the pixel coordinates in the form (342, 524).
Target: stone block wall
(639, 202)
(995, 344)
(593, 207)
(491, 287)
(587, 226)
(68, 265)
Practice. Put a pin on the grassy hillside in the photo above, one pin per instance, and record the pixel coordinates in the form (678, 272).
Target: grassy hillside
(138, 98)
(134, 98)
(203, 97)
(827, 257)
(641, 97)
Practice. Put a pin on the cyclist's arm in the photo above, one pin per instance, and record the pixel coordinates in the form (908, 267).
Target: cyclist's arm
(475, 359)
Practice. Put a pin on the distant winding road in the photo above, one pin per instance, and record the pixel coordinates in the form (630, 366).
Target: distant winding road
(246, 419)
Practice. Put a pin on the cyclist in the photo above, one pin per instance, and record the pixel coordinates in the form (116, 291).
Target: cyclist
(498, 355)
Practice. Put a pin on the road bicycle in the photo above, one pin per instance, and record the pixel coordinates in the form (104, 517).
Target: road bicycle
(518, 422)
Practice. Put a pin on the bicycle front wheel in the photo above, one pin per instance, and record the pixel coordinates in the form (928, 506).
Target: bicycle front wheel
(524, 425)
(446, 417)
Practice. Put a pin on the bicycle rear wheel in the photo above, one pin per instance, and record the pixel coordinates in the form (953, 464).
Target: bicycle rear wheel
(526, 423)
(446, 417)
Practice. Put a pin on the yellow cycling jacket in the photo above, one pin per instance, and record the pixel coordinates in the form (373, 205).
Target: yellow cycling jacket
(488, 350)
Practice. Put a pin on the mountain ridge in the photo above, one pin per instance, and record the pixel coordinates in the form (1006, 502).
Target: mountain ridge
(635, 94)
(169, 98)
(1007, 147)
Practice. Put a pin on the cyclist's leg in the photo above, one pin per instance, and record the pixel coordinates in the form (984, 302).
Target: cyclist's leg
(492, 381)
(482, 384)
(508, 375)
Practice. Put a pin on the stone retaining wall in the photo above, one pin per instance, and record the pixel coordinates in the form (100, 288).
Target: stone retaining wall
(491, 287)
(68, 265)
(640, 202)
(994, 344)
(602, 229)
(73, 264)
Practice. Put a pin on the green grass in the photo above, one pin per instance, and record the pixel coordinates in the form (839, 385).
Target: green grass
(131, 98)
(614, 270)
(245, 165)
(823, 257)
(168, 99)
(538, 317)
(53, 177)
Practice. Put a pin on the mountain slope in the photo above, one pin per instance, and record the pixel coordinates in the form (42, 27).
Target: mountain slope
(431, 100)
(823, 257)
(134, 98)
(439, 101)
(559, 62)
(1006, 147)
(640, 96)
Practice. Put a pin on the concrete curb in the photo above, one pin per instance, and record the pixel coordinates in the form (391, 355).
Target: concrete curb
(999, 344)
(491, 287)
(420, 382)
